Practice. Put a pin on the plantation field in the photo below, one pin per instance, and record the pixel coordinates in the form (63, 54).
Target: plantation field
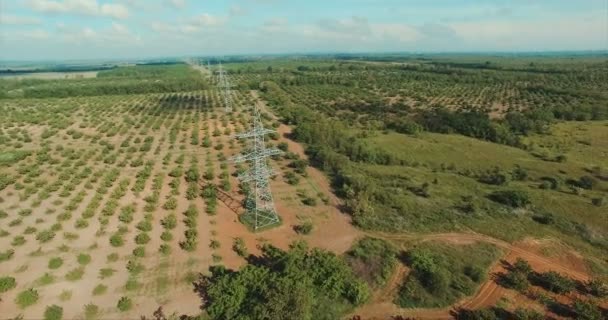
(100, 200)
(417, 184)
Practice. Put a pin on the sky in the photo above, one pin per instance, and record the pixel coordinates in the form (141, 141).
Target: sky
(104, 29)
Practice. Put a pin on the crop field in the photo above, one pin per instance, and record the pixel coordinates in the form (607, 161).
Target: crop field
(100, 201)
(429, 188)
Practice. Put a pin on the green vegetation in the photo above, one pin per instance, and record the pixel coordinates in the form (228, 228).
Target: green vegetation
(124, 304)
(53, 312)
(418, 147)
(27, 298)
(373, 260)
(84, 259)
(7, 283)
(442, 274)
(302, 285)
(123, 80)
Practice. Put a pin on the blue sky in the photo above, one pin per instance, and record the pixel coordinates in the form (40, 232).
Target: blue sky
(80, 29)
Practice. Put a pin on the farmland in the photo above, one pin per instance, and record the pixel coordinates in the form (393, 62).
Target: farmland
(416, 183)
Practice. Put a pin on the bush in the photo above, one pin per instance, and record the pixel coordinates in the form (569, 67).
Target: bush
(586, 310)
(142, 238)
(100, 289)
(6, 255)
(45, 236)
(171, 204)
(91, 311)
(587, 182)
(75, 274)
(239, 247)
(139, 251)
(116, 240)
(27, 298)
(84, 259)
(515, 280)
(169, 222)
(596, 287)
(598, 202)
(305, 228)
(512, 198)
(53, 312)
(7, 283)
(554, 282)
(124, 304)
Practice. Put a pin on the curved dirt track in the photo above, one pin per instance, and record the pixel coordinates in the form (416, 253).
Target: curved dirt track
(488, 293)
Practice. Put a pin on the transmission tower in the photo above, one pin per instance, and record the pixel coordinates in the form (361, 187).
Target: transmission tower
(225, 86)
(259, 203)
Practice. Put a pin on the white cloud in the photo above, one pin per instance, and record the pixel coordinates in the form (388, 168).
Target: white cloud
(81, 7)
(189, 26)
(575, 32)
(395, 32)
(207, 20)
(117, 11)
(178, 4)
(37, 34)
(275, 25)
(236, 10)
(18, 20)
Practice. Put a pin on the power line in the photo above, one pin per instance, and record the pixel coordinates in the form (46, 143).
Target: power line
(259, 203)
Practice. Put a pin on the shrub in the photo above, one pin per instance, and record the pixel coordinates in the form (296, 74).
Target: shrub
(586, 310)
(512, 198)
(587, 182)
(6, 255)
(53, 312)
(46, 279)
(139, 251)
(598, 202)
(124, 304)
(169, 222)
(495, 177)
(515, 280)
(555, 282)
(596, 287)
(305, 228)
(106, 272)
(27, 298)
(116, 240)
(75, 274)
(166, 236)
(100, 289)
(91, 311)
(45, 236)
(239, 247)
(214, 244)
(309, 201)
(165, 249)
(144, 226)
(142, 238)
(84, 259)
(171, 204)
(7, 283)
(112, 257)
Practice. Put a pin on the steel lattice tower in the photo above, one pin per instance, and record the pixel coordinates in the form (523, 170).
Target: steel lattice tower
(225, 86)
(259, 202)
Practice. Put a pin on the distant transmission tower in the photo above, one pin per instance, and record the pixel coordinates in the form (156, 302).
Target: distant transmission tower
(225, 86)
(259, 203)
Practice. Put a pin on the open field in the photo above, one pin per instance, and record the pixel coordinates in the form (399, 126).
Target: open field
(429, 179)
